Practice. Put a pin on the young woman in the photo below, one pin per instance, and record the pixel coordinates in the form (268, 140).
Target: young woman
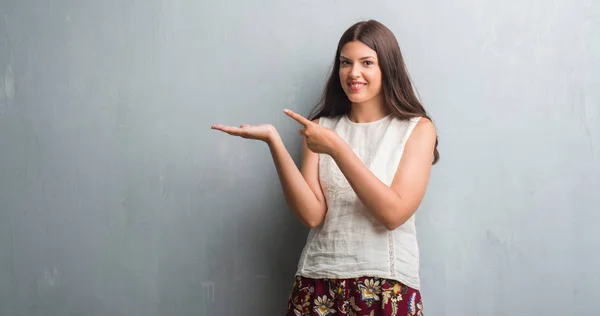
(367, 155)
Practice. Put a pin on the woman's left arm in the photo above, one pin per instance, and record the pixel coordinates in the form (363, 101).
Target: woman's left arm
(395, 204)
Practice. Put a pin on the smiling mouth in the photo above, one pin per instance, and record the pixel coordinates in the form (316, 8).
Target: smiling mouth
(354, 87)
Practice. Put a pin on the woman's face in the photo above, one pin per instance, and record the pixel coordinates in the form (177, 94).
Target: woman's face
(360, 75)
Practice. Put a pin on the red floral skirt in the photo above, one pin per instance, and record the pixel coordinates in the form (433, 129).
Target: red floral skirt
(357, 296)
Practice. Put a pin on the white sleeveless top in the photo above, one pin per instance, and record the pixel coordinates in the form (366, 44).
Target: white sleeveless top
(350, 242)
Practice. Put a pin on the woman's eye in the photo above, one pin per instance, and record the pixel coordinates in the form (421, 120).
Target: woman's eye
(368, 63)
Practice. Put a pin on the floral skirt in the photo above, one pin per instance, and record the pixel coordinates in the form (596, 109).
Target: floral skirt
(356, 296)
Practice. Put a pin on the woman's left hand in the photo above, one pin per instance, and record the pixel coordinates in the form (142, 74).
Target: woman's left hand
(319, 139)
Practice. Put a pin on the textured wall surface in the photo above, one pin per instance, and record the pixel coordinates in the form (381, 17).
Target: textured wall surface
(116, 198)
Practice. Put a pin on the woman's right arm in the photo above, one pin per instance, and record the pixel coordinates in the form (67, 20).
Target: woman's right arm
(301, 188)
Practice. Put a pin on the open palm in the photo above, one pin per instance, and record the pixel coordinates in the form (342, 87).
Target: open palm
(258, 132)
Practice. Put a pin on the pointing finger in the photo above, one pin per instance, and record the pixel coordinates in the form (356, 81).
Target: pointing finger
(299, 118)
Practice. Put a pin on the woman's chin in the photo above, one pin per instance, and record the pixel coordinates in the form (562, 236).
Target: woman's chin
(356, 99)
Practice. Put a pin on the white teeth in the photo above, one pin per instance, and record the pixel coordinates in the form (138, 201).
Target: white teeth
(356, 85)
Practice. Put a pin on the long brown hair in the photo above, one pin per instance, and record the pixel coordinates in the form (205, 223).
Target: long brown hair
(398, 93)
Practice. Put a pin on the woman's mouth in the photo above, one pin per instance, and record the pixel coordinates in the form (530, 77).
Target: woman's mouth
(356, 86)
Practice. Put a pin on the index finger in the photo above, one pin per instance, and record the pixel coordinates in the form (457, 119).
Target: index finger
(299, 118)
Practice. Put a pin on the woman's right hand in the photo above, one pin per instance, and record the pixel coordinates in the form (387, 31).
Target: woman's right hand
(264, 132)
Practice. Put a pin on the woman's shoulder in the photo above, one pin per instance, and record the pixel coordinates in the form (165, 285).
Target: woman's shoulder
(423, 129)
(423, 123)
(418, 127)
(417, 121)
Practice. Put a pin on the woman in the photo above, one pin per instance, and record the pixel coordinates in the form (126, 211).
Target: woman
(367, 156)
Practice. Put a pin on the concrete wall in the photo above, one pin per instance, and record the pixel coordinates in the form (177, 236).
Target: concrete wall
(117, 199)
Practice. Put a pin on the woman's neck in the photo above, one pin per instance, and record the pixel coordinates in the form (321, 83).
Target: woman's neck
(367, 112)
